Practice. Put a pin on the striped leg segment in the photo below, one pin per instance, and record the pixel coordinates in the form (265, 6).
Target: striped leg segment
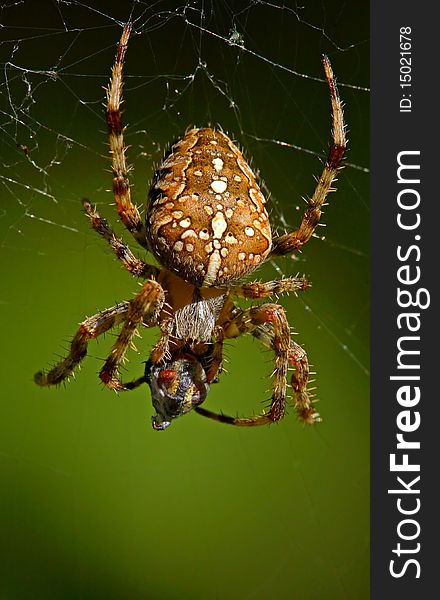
(127, 211)
(137, 267)
(89, 329)
(216, 359)
(297, 358)
(296, 239)
(144, 309)
(246, 322)
(268, 289)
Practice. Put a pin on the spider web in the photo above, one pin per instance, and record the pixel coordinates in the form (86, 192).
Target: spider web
(250, 67)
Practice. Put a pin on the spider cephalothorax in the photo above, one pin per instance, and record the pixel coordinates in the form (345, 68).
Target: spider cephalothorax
(207, 225)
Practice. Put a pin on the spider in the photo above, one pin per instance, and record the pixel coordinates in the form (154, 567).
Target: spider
(207, 226)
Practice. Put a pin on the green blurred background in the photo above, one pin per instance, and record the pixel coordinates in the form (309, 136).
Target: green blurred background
(94, 503)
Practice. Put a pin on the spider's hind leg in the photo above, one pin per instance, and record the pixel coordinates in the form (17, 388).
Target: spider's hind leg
(127, 210)
(267, 289)
(296, 239)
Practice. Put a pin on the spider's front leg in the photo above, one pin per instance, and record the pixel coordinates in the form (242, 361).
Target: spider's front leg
(246, 322)
(144, 309)
(300, 379)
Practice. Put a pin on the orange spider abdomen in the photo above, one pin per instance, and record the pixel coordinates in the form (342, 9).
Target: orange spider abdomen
(206, 216)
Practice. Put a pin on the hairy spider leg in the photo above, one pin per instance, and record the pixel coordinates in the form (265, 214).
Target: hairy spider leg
(296, 239)
(297, 357)
(127, 211)
(266, 289)
(144, 309)
(89, 329)
(134, 265)
(216, 359)
(246, 322)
